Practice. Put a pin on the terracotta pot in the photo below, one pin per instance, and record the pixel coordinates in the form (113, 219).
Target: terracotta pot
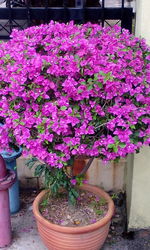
(90, 237)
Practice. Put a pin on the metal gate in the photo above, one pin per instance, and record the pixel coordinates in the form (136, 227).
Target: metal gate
(23, 13)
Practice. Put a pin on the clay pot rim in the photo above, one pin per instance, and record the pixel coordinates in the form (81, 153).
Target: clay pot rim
(75, 230)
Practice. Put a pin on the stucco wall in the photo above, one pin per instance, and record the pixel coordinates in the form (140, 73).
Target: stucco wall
(138, 167)
(138, 190)
(108, 176)
(143, 19)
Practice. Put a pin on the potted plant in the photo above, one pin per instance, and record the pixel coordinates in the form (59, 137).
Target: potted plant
(74, 90)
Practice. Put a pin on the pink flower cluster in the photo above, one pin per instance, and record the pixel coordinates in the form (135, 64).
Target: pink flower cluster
(70, 90)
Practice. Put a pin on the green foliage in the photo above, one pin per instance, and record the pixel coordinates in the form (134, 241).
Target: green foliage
(114, 196)
(98, 204)
(73, 195)
(55, 179)
(44, 203)
(63, 108)
(99, 212)
(39, 170)
(101, 202)
(80, 180)
(30, 163)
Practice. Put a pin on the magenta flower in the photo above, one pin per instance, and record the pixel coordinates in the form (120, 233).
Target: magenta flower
(73, 181)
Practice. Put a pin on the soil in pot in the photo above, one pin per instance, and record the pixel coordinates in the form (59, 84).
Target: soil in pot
(89, 209)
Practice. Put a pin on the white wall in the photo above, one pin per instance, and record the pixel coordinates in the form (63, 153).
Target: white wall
(138, 197)
(143, 19)
(138, 170)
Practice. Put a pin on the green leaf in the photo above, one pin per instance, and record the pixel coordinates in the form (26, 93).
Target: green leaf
(115, 149)
(80, 91)
(76, 106)
(16, 120)
(39, 170)
(18, 70)
(88, 32)
(90, 87)
(95, 77)
(31, 160)
(99, 212)
(44, 203)
(72, 198)
(78, 115)
(21, 123)
(30, 165)
(132, 126)
(114, 196)
(47, 142)
(122, 145)
(7, 56)
(82, 71)
(102, 73)
(90, 80)
(75, 193)
(41, 128)
(95, 116)
(55, 187)
(102, 202)
(39, 98)
(108, 76)
(83, 83)
(63, 107)
(37, 114)
(100, 85)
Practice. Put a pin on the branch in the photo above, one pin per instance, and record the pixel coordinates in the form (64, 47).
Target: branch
(70, 175)
(101, 125)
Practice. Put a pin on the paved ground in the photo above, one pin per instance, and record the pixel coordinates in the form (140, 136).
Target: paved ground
(25, 235)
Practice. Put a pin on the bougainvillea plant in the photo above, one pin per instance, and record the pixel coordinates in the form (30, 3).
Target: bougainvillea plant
(68, 90)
